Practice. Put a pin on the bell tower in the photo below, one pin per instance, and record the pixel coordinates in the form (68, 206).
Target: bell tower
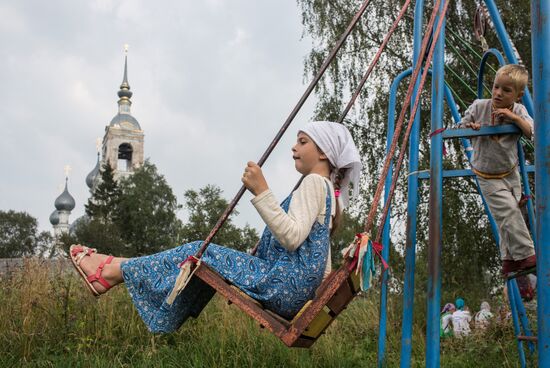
(123, 139)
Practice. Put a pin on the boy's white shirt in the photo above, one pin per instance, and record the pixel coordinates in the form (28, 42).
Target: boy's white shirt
(307, 206)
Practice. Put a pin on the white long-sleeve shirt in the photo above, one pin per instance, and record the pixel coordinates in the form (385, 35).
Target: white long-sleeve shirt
(307, 206)
(461, 322)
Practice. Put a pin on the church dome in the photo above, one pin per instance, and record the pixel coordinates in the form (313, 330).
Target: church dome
(92, 175)
(125, 121)
(65, 201)
(54, 218)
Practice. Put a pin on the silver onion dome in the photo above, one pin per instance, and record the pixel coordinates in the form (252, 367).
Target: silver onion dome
(65, 201)
(54, 218)
(92, 175)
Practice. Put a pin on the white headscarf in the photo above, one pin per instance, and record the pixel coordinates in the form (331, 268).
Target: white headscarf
(337, 144)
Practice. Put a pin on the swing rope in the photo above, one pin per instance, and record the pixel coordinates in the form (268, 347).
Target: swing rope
(361, 251)
(361, 84)
(399, 126)
(286, 124)
(410, 123)
(374, 61)
(187, 268)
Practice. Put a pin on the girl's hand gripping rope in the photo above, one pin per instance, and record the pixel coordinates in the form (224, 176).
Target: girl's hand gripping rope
(253, 178)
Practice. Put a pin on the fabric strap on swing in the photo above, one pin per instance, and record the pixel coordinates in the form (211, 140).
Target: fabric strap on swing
(437, 131)
(362, 252)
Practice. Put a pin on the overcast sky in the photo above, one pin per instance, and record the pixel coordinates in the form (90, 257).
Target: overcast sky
(213, 81)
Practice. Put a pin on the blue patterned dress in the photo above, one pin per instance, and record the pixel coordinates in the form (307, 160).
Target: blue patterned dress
(281, 280)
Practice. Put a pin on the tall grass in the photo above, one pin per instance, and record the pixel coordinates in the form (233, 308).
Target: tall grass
(48, 319)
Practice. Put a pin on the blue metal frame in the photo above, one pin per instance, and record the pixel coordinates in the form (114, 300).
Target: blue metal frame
(512, 297)
(386, 231)
(485, 130)
(461, 173)
(481, 69)
(542, 236)
(436, 203)
(407, 323)
(412, 195)
(540, 39)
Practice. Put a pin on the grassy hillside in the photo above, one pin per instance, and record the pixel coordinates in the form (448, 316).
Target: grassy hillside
(48, 319)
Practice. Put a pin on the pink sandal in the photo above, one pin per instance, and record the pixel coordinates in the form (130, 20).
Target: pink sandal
(77, 253)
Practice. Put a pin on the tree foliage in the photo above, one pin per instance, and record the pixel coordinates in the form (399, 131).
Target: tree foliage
(132, 217)
(465, 227)
(146, 214)
(138, 216)
(98, 228)
(104, 203)
(19, 236)
(205, 208)
(99, 234)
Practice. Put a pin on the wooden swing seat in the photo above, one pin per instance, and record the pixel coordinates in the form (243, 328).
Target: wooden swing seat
(332, 297)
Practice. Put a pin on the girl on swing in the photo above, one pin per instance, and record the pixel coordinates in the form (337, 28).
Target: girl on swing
(293, 256)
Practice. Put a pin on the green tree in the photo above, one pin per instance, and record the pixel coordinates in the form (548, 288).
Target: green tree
(99, 234)
(19, 236)
(98, 228)
(146, 213)
(103, 204)
(205, 208)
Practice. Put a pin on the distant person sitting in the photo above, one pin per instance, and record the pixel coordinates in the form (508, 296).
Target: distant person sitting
(446, 324)
(461, 319)
(482, 319)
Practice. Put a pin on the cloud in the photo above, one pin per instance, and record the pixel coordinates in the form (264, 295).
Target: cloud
(213, 82)
(240, 37)
(11, 20)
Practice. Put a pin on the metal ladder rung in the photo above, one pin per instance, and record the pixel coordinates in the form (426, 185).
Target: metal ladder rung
(484, 130)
